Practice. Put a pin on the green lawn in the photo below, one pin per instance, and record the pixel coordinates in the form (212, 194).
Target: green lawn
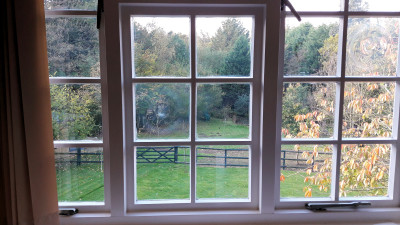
(214, 128)
(158, 181)
(80, 183)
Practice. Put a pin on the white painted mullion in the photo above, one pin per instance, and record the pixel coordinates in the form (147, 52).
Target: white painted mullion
(394, 168)
(70, 13)
(314, 79)
(85, 144)
(75, 80)
(115, 107)
(193, 112)
(346, 141)
(128, 107)
(281, 79)
(336, 160)
(310, 79)
(269, 97)
(198, 79)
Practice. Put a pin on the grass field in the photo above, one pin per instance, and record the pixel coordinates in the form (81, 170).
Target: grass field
(214, 128)
(171, 181)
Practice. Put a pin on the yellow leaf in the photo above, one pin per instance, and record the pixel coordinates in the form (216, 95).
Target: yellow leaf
(282, 178)
(308, 193)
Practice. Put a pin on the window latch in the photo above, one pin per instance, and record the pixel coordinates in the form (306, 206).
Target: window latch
(324, 206)
(292, 9)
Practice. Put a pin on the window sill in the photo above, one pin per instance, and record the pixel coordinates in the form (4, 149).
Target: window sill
(350, 216)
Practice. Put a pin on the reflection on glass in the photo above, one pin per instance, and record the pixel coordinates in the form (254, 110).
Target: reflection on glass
(223, 111)
(308, 110)
(80, 175)
(224, 46)
(160, 46)
(70, 4)
(368, 109)
(76, 111)
(162, 173)
(305, 171)
(73, 47)
(222, 172)
(162, 111)
(364, 170)
(311, 47)
(372, 46)
(374, 5)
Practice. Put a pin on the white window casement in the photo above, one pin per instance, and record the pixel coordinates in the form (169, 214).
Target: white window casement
(347, 138)
(247, 129)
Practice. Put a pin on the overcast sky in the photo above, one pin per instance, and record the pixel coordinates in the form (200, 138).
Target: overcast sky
(210, 25)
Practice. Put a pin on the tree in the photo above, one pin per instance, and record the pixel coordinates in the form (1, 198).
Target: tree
(238, 61)
(76, 112)
(72, 46)
(367, 112)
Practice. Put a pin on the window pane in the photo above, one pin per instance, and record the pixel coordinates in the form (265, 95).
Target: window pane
(224, 46)
(80, 174)
(305, 171)
(315, 5)
(76, 111)
(223, 111)
(368, 109)
(311, 47)
(372, 46)
(162, 111)
(308, 110)
(73, 47)
(162, 173)
(364, 170)
(222, 172)
(70, 4)
(374, 5)
(160, 46)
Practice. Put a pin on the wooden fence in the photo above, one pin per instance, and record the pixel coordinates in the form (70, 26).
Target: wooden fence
(181, 154)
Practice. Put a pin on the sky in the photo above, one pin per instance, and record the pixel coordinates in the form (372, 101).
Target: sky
(210, 25)
(206, 25)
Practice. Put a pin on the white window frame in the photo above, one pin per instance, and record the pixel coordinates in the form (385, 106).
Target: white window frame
(119, 205)
(191, 11)
(85, 206)
(337, 141)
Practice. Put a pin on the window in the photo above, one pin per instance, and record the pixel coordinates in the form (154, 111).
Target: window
(339, 106)
(76, 102)
(193, 97)
(224, 106)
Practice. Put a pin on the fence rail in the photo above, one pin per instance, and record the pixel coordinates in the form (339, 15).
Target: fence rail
(180, 155)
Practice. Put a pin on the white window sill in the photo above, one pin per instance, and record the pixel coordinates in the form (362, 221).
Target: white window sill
(367, 216)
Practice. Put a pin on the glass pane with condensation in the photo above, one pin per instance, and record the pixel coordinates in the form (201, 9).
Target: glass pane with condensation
(80, 174)
(223, 111)
(76, 112)
(162, 172)
(308, 110)
(162, 111)
(305, 171)
(364, 170)
(368, 109)
(315, 5)
(224, 46)
(372, 46)
(311, 47)
(70, 4)
(160, 46)
(73, 47)
(222, 171)
(374, 5)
